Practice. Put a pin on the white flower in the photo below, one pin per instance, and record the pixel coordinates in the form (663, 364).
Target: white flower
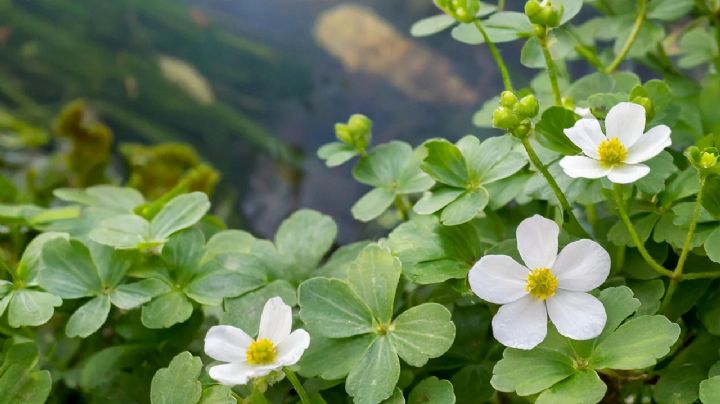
(550, 284)
(617, 154)
(274, 348)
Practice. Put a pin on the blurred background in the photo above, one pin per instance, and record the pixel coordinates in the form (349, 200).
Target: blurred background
(254, 86)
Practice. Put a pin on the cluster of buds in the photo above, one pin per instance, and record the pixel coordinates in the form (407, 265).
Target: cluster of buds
(461, 10)
(704, 160)
(357, 132)
(514, 114)
(544, 14)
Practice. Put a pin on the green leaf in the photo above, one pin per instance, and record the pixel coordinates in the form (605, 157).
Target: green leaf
(431, 25)
(21, 382)
(383, 164)
(244, 311)
(181, 212)
(375, 376)
(570, 9)
(88, 318)
(710, 390)
(679, 384)
(432, 390)
(336, 153)
(619, 304)
(374, 276)
(331, 308)
(422, 332)
(661, 168)
(373, 204)
(124, 231)
(697, 46)
(306, 236)
(668, 10)
(119, 199)
(177, 383)
(712, 245)
(551, 130)
(70, 272)
(432, 253)
(711, 196)
(637, 344)
(166, 310)
(217, 394)
(437, 199)
(584, 387)
(649, 293)
(644, 225)
(465, 207)
(445, 163)
(131, 295)
(530, 372)
(333, 359)
(30, 307)
(472, 384)
(214, 286)
(31, 261)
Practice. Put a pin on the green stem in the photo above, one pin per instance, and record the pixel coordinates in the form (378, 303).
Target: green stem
(501, 5)
(617, 188)
(678, 273)
(496, 55)
(554, 186)
(642, 12)
(552, 70)
(299, 389)
(403, 207)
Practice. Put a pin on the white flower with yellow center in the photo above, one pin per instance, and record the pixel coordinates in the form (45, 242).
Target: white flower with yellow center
(550, 284)
(618, 152)
(274, 348)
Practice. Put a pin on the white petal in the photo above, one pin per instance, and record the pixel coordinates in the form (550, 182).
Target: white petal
(587, 135)
(625, 121)
(498, 279)
(275, 321)
(537, 241)
(226, 343)
(231, 374)
(576, 315)
(583, 167)
(521, 324)
(627, 173)
(649, 145)
(291, 349)
(581, 266)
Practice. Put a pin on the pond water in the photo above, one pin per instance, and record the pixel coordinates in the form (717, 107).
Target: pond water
(255, 86)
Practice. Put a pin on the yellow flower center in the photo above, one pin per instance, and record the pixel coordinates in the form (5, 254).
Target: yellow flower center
(261, 352)
(541, 283)
(612, 151)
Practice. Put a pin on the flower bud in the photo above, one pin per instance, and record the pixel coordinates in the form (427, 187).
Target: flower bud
(521, 130)
(508, 99)
(552, 15)
(461, 10)
(704, 159)
(359, 123)
(528, 106)
(708, 160)
(504, 118)
(533, 9)
(343, 133)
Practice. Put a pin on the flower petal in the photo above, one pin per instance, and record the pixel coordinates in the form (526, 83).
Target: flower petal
(576, 315)
(275, 321)
(521, 324)
(226, 343)
(649, 145)
(627, 173)
(583, 167)
(587, 135)
(231, 374)
(625, 121)
(498, 279)
(537, 241)
(291, 349)
(581, 266)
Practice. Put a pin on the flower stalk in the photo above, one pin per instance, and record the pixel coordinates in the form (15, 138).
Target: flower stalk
(299, 389)
(507, 83)
(642, 13)
(552, 69)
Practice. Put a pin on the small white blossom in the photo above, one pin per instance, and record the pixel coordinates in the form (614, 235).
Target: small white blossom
(618, 152)
(274, 348)
(549, 284)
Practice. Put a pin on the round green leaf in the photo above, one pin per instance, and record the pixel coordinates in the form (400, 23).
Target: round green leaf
(432, 390)
(166, 310)
(331, 308)
(70, 271)
(177, 383)
(375, 376)
(431, 25)
(181, 212)
(373, 204)
(584, 387)
(88, 318)
(422, 332)
(374, 276)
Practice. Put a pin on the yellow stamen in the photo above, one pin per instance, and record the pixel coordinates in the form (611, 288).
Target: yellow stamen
(612, 151)
(261, 352)
(541, 283)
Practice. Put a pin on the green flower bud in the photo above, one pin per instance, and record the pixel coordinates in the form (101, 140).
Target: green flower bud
(342, 132)
(533, 9)
(647, 104)
(521, 130)
(708, 160)
(508, 99)
(551, 16)
(504, 118)
(461, 10)
(543, 14)
(528, 106)
(359, 123)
